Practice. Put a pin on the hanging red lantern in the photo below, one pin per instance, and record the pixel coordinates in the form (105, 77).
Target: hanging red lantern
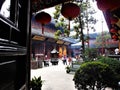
(114, 37)
(70, 11)
(114, 20)
(107, 4)
(42, 18)
(113, 30)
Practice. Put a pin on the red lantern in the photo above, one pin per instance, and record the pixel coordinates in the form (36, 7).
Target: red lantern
(113, 31)
(113, 20)
(108, 4)
(42, 18)
(70, 11)
(114, 37)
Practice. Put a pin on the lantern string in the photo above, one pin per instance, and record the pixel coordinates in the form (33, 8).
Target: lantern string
(42, 29)
(69, 25)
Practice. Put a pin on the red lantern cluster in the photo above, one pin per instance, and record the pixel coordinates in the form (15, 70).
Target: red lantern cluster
(115, 34)
(114, 20)
(42, 18)
(114, 37)
(108, 4)
(113, 30)
(70, 10)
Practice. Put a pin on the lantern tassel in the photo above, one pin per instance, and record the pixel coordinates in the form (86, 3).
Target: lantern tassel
(69, 25)
(42, 29)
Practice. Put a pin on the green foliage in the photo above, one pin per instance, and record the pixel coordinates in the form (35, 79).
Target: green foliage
(67, 69)
(102, 40)
(36, 83)
(90, 54)
(114, 64)
(94, 74)
(66, 32)
(57, 34)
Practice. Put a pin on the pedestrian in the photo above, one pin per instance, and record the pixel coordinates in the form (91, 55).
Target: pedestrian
(65, 60)
(69, 60)
(46, 62)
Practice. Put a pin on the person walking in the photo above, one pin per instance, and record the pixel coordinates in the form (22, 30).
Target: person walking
(69, 60)
(64, 58)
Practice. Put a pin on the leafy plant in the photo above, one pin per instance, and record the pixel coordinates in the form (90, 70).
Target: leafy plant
(36, 83)
(93, 75)
(67, 69)
(114, 64)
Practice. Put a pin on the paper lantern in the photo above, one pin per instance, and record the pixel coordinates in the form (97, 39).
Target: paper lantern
(42, 18)
(70, 11)
(114, 20)
(108, 4)
(113, 30)
(114, 37)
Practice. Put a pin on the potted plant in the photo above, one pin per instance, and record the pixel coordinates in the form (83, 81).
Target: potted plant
(67, 69)
(36, 83)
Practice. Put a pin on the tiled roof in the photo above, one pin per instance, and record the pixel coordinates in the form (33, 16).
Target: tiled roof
(49, 31)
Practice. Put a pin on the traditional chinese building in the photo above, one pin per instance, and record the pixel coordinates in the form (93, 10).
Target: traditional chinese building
(44, 44)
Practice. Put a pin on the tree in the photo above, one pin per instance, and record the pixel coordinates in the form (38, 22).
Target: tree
(90, 54)
(81, 22)
(102, 40)
(60, 22)
(93, 75)
(86, 14)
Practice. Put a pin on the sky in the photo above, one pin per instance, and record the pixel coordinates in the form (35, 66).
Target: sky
(99, 26)
(4, 10)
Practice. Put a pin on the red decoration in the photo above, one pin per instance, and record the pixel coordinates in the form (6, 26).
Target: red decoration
(108, 4)
(114, 37)
(114, 20)
(113, 31)
(42, 18)
(70, 10)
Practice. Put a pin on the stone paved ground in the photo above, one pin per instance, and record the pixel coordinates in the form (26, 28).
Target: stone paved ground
(55, 77)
